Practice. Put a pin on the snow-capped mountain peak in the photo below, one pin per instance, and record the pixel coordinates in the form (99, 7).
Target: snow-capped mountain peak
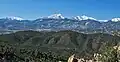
(84, 18)
(87, 17)
(77, 18)
(115, 19)
(14, 18)
(56, 16)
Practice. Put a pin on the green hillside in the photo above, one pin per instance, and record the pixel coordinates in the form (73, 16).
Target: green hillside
(62, 43)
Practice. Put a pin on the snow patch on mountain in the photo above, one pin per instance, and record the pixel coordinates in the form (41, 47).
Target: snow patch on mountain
(115, 19)
(56, 16)
(13, 18)
(103, 20)
(77, 18)
(84, 17)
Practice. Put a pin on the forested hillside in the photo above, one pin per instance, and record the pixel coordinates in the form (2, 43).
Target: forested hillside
(52, 46)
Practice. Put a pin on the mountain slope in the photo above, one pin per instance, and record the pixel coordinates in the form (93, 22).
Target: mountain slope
(61, 41)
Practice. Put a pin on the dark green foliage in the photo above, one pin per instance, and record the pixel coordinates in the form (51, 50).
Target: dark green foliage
(53, 46)
(13, 54)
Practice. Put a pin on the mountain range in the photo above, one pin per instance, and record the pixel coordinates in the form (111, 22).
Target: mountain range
(59, 22)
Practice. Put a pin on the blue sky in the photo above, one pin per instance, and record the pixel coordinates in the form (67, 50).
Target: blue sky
(32, 9)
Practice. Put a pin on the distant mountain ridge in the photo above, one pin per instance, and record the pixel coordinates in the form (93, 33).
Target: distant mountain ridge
(13, 18)
(59, 22)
